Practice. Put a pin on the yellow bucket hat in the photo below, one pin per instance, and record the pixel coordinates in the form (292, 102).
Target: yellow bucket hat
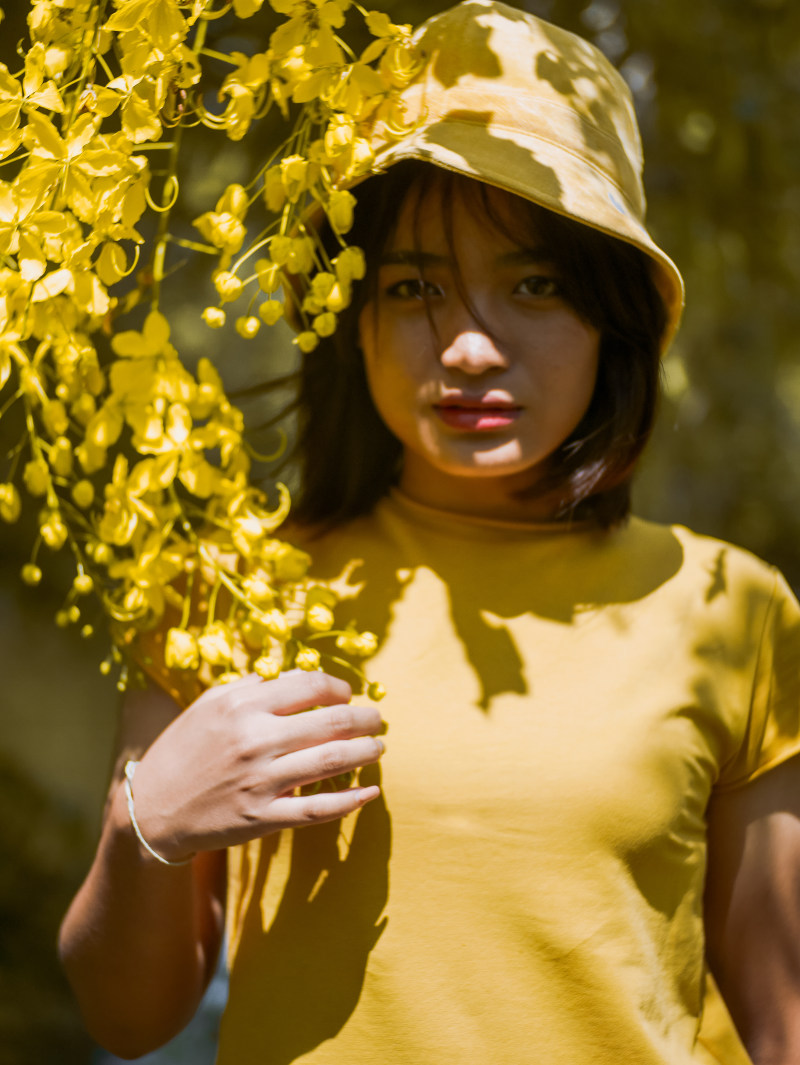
(516, 102)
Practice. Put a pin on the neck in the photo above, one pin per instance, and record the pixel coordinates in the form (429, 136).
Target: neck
(478, 497)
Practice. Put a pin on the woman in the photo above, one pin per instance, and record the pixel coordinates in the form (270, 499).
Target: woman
(586, 820)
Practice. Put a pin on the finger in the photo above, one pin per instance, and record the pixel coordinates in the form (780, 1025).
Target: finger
(324, 761)
(325, 724)
(302, 689)
(299, 810)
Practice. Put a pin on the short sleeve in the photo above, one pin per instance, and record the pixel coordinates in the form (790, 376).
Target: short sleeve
(772, 734)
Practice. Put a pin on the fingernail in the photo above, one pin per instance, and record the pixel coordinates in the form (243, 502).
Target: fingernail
(380, 743)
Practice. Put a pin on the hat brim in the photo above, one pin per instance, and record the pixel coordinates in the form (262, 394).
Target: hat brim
(564, 183)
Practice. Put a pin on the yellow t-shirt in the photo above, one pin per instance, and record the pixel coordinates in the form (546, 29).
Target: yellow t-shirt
(528, 889)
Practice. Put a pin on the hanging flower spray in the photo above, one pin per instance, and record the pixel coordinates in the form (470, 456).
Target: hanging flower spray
(135, 465)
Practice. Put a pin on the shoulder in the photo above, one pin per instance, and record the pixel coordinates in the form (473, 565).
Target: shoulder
(715, 567)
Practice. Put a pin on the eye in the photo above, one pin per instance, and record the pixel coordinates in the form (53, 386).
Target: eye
(413, 288)
(539, 285)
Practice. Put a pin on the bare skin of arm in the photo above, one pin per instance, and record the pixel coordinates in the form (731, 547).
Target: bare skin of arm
(753, 911)
(140, 940)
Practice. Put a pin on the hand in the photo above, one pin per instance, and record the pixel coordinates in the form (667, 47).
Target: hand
(225, 771)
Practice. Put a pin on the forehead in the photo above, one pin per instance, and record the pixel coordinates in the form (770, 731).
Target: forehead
(448, 209)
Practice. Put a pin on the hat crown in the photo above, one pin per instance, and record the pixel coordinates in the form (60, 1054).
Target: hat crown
(525, 79)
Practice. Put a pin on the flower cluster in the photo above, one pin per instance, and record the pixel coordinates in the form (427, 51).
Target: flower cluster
(137, 466)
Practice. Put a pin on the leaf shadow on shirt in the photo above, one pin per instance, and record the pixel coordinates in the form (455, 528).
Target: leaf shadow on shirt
(296, 982)
(484, 598)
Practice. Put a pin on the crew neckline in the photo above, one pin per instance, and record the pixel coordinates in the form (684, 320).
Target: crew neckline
(399, 498)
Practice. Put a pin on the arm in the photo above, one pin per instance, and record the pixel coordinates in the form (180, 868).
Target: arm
(140, 939)
(752, 911)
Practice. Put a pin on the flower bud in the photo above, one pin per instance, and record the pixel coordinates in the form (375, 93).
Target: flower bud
(31, 574)
(277, 625)
(83, 494)
(306, 341)
(269, 276)
(53, 530)
(319, 618)
(270, 311)
(215, 646)
(10, 503)
(360, 644)
(181, 650)
(61, 457)
(36, 477)
(340, 210)
(83, 584)
(227, 285)
(307, 658)
(248, 326)
(325, 324)
(267, 667)
(339, 297)
(214, 317)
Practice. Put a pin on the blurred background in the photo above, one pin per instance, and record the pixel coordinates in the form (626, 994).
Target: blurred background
(717, 90)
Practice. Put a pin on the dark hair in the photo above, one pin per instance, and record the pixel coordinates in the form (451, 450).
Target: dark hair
(348, 459)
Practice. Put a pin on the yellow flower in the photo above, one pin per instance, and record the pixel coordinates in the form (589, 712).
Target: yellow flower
(307, 658)
(244, 89)
(10, 503)
(319, 618)
(350, 265)
(227, 285)
(339, 134)
(280, 249)
(325, 324)
(340, 210)
(306, 341)
(269, 276)
(92, 457)
(31, 574)
(294, 175)
(121, 514)
(61, 457)
(223, 226)
(83, 494)
(83, 584)
(277, 625)
(161, 20)
(52, 529)
(36, 476)
(358, 644)
(54, 416)
(181, 650)
(215, 644)
(247, 326)
(214, 317)
(270, 311)
(257, 587)
(274, 189)
(268, 667)
(339, 297)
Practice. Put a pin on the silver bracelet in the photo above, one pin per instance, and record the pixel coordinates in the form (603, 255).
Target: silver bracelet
(130, 769)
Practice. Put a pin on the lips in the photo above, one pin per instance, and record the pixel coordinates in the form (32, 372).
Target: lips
(477, 413)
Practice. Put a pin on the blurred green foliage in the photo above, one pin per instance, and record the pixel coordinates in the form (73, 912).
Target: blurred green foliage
(717, 90)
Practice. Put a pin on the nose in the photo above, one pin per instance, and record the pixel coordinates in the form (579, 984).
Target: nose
(472, 349)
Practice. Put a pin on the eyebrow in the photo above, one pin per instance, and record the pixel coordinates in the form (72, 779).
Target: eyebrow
(421, 259)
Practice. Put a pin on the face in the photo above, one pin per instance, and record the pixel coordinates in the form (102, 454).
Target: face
(474, 359)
